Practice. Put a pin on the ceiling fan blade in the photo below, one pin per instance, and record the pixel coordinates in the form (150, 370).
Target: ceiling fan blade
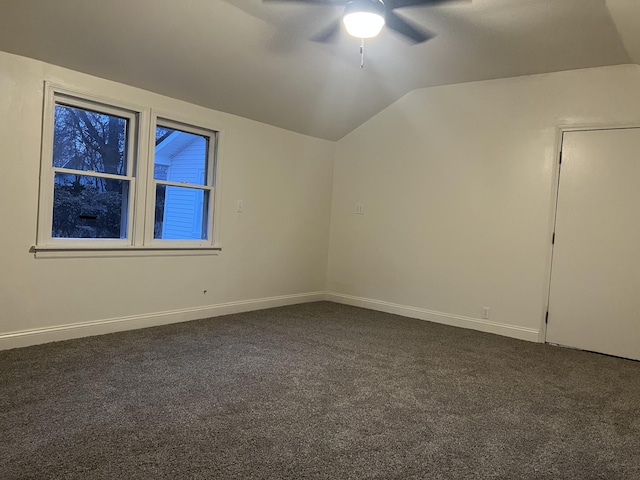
(413, 33)
(330, 33)
(392, 4)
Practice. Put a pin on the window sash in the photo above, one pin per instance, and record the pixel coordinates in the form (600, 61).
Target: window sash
(130, 117)
(210, 178)
(212, 144)
(125, 210)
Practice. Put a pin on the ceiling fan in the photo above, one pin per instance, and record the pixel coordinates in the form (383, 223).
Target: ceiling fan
(365, 18)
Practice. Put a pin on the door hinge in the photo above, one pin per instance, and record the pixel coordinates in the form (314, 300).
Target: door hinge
(553, 238)
(546, 318)
(560, 157)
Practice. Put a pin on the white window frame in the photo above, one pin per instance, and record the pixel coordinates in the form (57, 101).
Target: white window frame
(142, 123)
(164, 120)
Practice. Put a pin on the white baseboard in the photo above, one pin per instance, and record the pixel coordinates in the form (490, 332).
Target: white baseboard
(37, 336)
(24, 338)
(506, 330)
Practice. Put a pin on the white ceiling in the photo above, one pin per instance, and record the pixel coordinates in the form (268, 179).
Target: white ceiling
(256, 61)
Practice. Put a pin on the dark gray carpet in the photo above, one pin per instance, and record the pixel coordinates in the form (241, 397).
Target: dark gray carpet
(316, 391)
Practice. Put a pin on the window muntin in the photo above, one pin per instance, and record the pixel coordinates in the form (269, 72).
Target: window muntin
(102, 188)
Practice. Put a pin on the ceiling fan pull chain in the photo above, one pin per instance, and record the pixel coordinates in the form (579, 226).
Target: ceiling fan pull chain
(362, 53)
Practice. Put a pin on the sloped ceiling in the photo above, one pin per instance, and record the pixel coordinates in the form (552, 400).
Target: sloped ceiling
(626, 17)
(256, 61)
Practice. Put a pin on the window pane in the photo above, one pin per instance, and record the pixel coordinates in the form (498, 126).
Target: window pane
(181, 213)
(180, 156)
(89, 207)
(91, 141)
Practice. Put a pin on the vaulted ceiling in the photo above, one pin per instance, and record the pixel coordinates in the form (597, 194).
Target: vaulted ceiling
(256, 60)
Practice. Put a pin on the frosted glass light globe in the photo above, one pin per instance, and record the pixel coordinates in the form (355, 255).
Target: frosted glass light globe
(363, 24)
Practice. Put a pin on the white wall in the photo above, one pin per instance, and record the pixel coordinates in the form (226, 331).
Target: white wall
(276, 248)
(458, 186)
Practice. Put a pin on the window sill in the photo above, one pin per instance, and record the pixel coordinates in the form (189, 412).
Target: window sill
(97, 252)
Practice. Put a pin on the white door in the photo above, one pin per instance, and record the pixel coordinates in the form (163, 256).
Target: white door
(594, 300)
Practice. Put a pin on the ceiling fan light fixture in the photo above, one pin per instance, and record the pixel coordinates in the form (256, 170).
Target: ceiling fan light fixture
(364, 18)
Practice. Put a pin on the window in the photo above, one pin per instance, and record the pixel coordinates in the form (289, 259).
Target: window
(181, 183)
(92, 174)
(107, 184)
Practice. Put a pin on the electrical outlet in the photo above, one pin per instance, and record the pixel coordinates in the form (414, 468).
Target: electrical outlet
(485, 313)
(359, 209)
(239, 206)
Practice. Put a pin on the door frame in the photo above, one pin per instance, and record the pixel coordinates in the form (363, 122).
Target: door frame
(553, 204)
